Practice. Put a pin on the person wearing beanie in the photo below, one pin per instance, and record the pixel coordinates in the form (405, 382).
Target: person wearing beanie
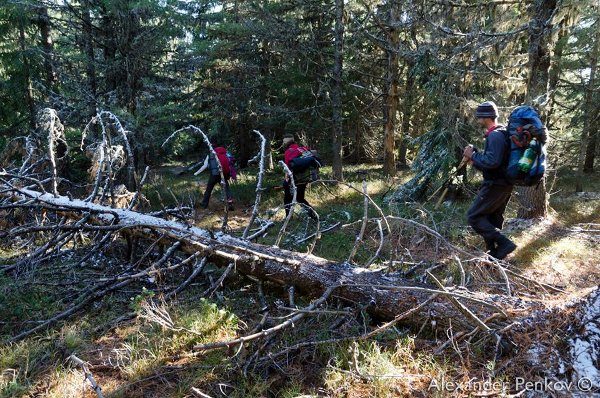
(487, 109)
(292, 151)
(486, 215)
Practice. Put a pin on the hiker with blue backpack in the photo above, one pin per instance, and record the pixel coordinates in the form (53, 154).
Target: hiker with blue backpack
(303, 163)
(513, 155)
(227, 163)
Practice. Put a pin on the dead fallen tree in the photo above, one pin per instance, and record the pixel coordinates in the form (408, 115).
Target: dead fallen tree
(52, 225)
(383, 294)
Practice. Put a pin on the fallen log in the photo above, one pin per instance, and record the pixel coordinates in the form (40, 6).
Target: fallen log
(382, 294)
(58, 224)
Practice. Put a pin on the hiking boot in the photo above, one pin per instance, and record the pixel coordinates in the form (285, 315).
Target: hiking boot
(505, 247)
(490, 247)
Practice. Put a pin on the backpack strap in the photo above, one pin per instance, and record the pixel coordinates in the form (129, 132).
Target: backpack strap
(504, 130)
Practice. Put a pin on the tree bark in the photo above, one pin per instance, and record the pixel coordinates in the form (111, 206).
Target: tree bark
(109, 51)
(391, 99)
(590, 125)
(555, 71)
(540, 43)
(88, 50)
(590, 152)
(533, 201)
(26, 71)
(407, 108)
(43, 23)
(337, 91)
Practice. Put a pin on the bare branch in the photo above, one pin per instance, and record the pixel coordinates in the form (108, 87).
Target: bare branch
(259, 180)
(290, 210)
(88, 375)
(264, 333)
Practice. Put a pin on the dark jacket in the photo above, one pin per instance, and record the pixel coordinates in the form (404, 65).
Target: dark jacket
(493, 160)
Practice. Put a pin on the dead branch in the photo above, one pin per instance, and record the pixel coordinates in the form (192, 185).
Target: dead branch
(259, 180)
(363, 226)
(288, 217)
(56, 134)
(461, 307)
(264, 333)
(88, 375)
(210, 291)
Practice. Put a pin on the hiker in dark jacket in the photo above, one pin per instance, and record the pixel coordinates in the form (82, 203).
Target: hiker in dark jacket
(293, 150)
(215, 175)
(486, 214)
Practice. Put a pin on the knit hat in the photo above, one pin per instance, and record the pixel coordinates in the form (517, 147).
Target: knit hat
(487, 109)
(288, 139)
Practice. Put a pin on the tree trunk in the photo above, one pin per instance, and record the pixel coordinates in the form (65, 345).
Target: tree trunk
(391, 99)
(407, 108)
(135, 64)
(337, 91)
(88, 49)
(109, 51)
(590, 125)
(554, 73)
(590, 152)
(533, 201)
(43, 23)
(26, 71)
(540, 43)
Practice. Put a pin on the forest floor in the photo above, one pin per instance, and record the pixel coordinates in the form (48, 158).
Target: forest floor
(138, 358)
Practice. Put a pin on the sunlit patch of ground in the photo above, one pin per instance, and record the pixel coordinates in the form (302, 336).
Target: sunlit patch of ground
(564, 249)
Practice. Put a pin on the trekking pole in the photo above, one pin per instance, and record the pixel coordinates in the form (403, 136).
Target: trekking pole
(445, 185)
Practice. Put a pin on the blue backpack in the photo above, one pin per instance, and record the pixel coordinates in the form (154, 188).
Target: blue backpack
(307, 160)
(525, 125)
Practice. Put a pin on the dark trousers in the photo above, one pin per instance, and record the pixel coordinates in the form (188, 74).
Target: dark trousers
(212, 181)
(486, 214)
(288, 197)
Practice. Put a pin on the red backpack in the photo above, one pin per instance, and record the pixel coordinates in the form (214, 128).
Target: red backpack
(223, 159)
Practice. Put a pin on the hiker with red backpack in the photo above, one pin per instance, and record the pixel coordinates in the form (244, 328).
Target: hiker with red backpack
(513, 155)
(303, 163)
(225, 159)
